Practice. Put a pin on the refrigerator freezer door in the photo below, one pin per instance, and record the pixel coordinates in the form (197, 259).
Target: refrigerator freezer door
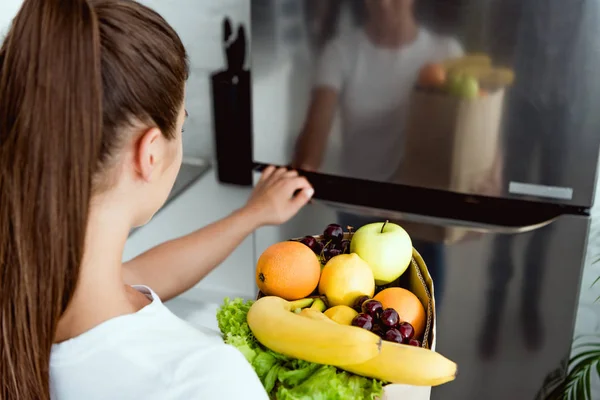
(328, 96)
(505, 297)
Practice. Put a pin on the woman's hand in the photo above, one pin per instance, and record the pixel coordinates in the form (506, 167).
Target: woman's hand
(278, 196)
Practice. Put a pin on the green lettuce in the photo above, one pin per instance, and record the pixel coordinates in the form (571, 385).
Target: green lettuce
(286, 378)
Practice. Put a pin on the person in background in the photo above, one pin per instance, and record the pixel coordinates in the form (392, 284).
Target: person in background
(368, 74)
(91, 114)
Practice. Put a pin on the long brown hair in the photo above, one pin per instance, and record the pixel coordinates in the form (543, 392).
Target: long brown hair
(73, 75)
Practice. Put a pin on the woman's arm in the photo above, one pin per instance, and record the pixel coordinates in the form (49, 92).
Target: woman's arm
(312, 142)
(176, 266)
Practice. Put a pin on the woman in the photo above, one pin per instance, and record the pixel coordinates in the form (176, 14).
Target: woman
(91, 112)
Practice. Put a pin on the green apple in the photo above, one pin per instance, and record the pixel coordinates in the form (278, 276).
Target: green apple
(469, 88)
(455, 84)
(386, 247)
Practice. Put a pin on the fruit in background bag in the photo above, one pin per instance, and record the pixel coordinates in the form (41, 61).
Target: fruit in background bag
(345, 278)
(469, 88)
(407, 305)
(386, 247)
(468, 61)
(310, 335)
(432, 75)
(406, 364)
(341, 314)
(455, 82)
(289, 270)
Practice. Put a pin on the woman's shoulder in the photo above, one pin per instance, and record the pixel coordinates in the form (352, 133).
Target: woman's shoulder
(151, 353)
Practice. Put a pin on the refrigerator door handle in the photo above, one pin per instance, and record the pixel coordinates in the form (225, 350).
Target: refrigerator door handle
(441, 222)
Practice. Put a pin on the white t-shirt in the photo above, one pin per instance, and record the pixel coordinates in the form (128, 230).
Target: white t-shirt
(374, 85)
(151, 354)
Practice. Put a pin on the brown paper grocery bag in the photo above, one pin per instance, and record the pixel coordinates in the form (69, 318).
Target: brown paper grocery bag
(450, 143)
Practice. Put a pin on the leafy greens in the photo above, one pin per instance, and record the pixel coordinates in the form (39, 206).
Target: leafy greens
(286, 378)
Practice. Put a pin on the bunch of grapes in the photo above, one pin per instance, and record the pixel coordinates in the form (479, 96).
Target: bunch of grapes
(383, 322)
(333, 243)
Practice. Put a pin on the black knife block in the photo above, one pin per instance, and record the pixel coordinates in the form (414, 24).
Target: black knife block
(232, 112)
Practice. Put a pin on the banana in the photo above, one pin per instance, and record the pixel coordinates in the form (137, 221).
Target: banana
(475, 59)
(316, 311)
(316, 315)
(319, 305)
(408, 365)
(498, 77)
(275, 326)
(297, 305)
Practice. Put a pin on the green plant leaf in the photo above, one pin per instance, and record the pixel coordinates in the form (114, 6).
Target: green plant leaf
(578, 385)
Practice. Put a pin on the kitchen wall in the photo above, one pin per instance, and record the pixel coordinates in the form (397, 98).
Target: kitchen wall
(199, 25)
(8, 9)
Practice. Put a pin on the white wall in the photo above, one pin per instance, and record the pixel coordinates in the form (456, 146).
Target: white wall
(198, 22)
(8, 9)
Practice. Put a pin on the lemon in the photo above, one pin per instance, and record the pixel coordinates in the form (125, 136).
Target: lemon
(345, 278)
(341, 314)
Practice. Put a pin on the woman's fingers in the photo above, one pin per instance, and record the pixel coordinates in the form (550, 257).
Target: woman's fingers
(266, 174)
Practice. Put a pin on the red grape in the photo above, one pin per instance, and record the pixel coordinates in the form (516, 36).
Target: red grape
(313, 244)
(393, 335)
(414, 342)
(309, 241)
(333, 233)
(359, 302)
(318, 249)
(373, 308)
(363, 321)
(389, 317)
(379, 329)
(334, 252)
(406, 330)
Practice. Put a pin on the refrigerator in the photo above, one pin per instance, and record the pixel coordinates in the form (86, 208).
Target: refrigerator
(495, 192)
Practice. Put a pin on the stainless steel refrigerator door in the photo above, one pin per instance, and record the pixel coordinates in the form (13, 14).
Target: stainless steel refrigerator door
(535, 139)
(505, 297)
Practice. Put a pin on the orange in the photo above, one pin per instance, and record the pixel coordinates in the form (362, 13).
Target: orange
(407, 305)
(432, 75)
(289, 270)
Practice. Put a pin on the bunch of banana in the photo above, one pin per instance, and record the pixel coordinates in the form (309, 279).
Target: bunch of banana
(275, 324)
(300, 329)
(473, 59)
(479, 66)
(408, 365)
